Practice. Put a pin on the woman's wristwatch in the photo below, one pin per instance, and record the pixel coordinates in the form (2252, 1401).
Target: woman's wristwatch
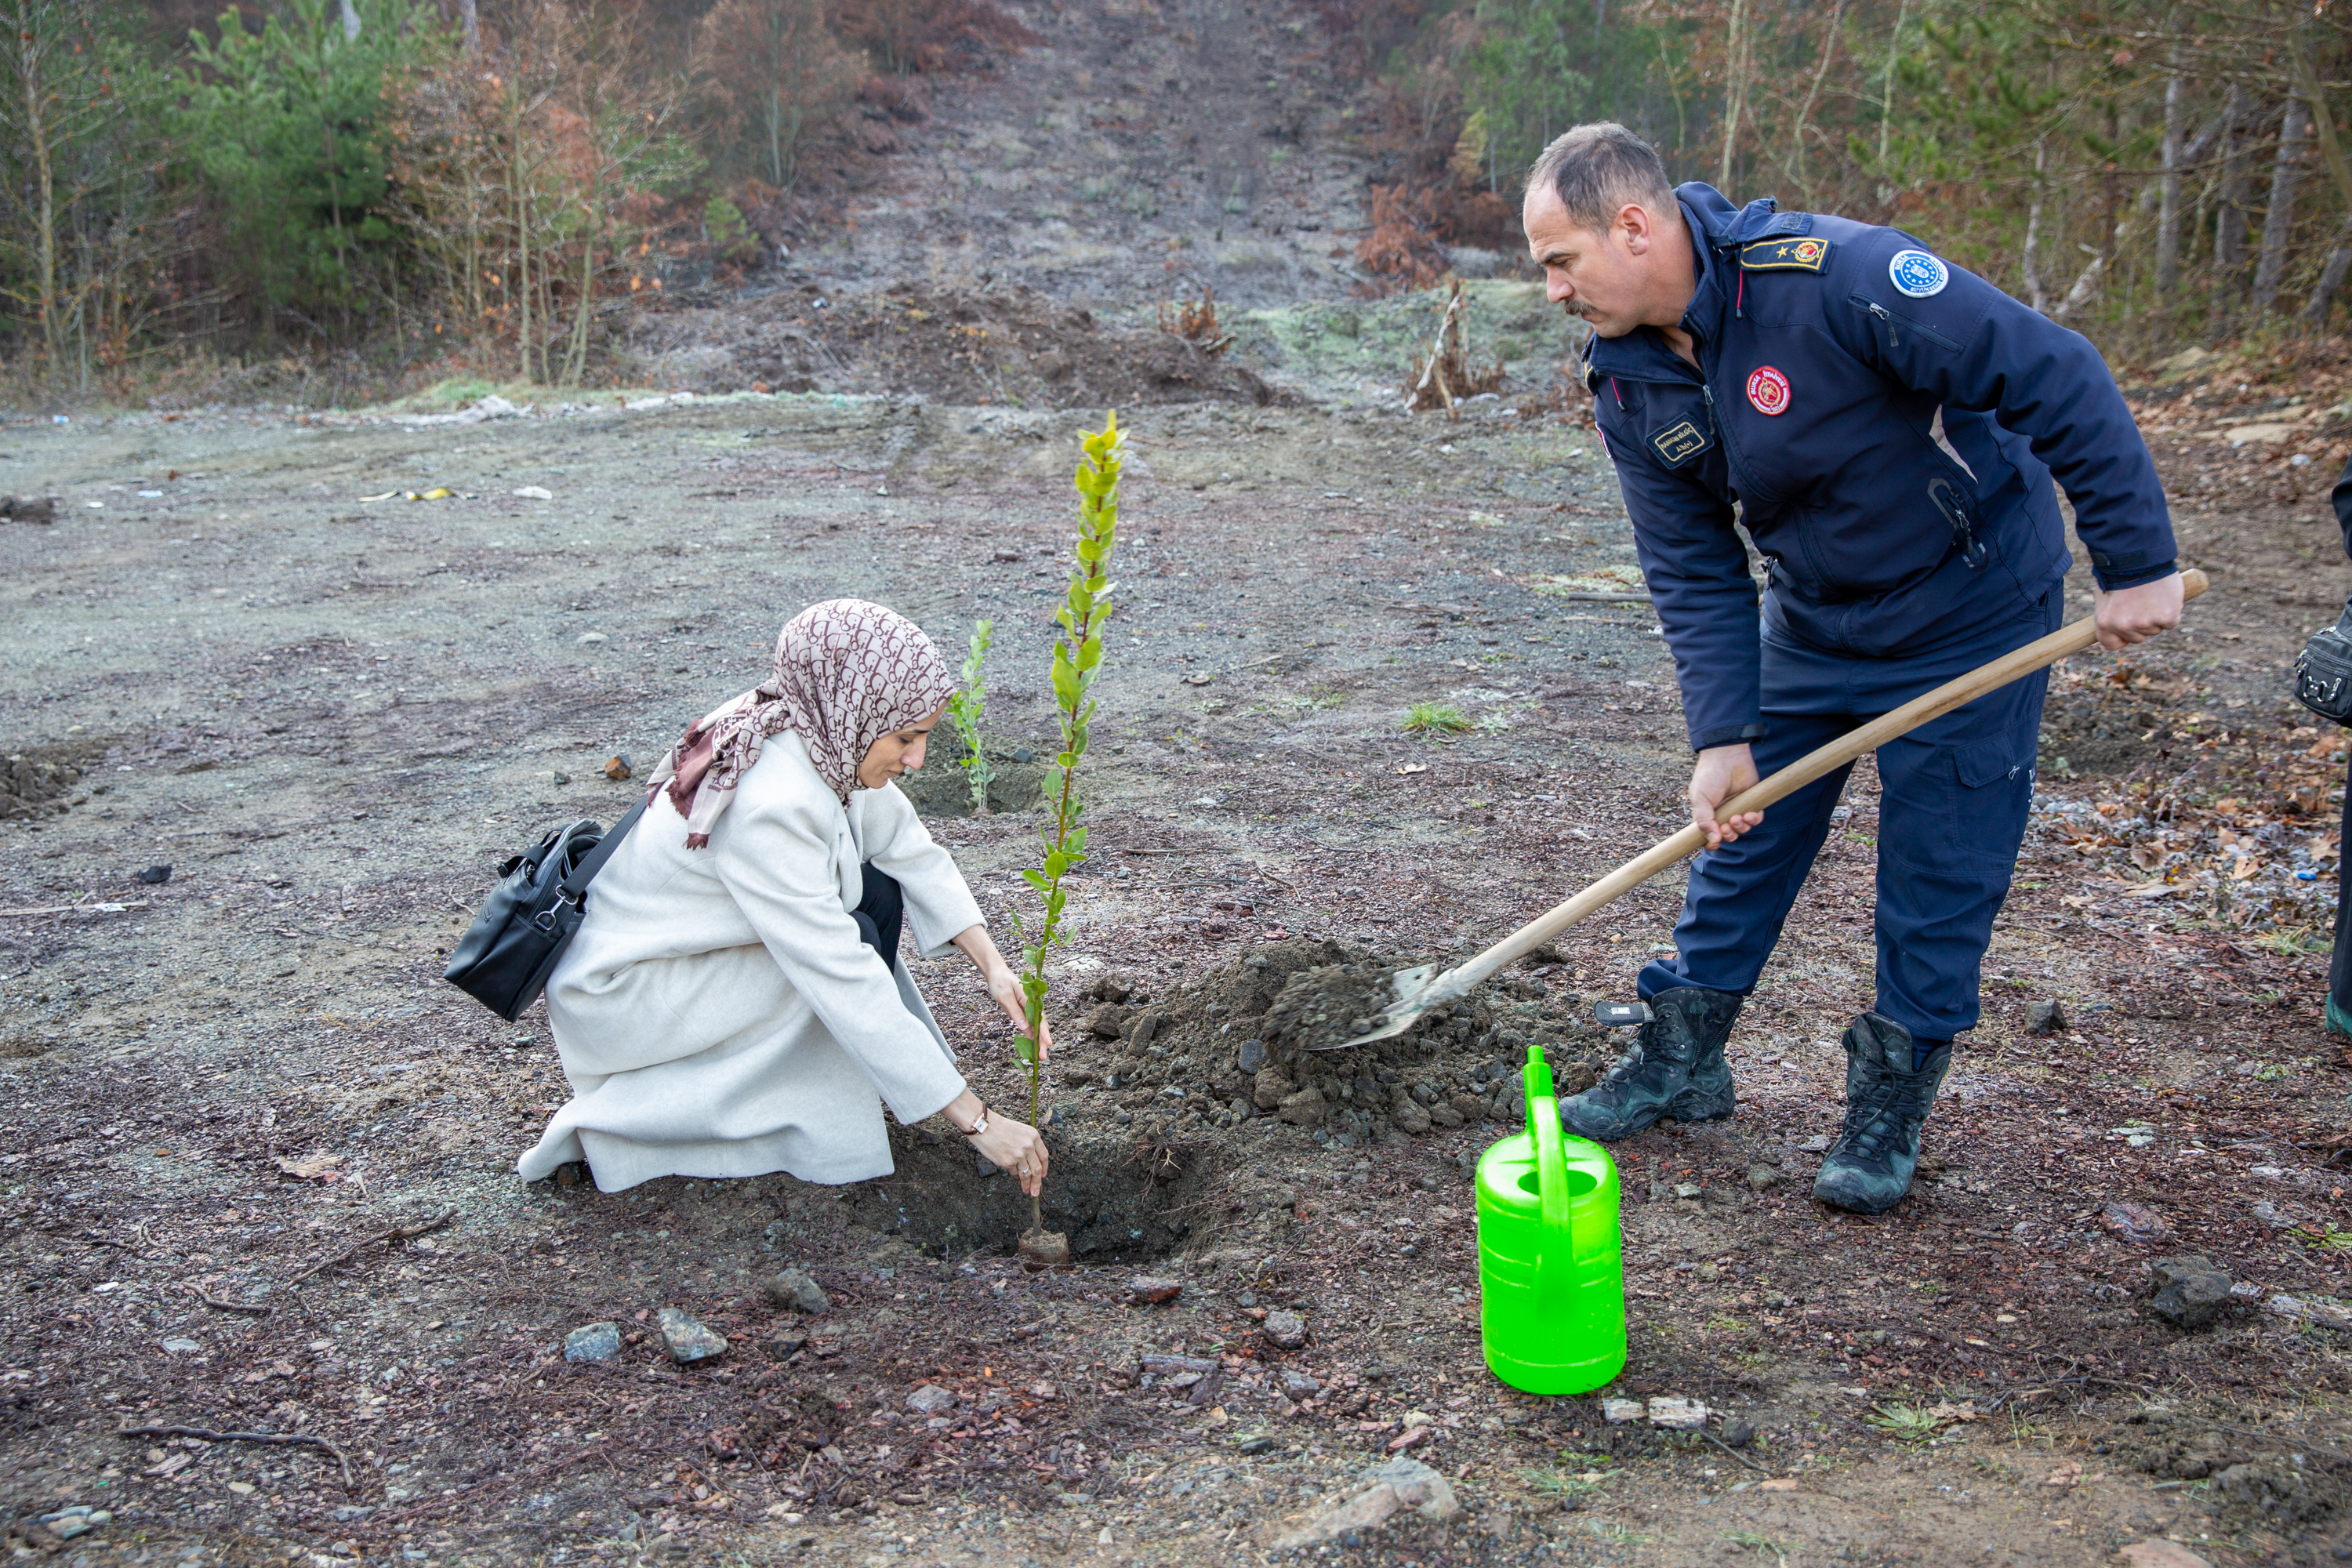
(979, 1125)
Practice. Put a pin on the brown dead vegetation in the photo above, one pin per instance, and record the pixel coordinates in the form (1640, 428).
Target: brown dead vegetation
(1195, 322)
(1446, 374)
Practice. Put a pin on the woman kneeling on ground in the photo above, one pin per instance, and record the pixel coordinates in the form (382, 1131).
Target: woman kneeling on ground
(733, 999)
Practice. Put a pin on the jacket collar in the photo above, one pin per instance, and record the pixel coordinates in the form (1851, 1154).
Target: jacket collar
(1718, 230)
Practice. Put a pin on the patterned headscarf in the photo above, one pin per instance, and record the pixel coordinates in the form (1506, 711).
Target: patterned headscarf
(847, 673)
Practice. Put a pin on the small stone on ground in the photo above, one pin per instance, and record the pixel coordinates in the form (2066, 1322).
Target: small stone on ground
(2156, 1552)
(1678, 1415)
(2190, 1289)
(1285, 1331)
(795, 1289)
(1150, 1287)
(596, 1343)
(688, 1339)
(1399, 1484)
(931, 1400)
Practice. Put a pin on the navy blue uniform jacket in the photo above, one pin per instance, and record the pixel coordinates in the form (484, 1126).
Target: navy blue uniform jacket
(1878, 543)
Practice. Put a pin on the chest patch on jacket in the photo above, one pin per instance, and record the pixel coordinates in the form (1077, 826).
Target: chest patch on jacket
(1768, 389)
(1678, 443)
(1792, 253)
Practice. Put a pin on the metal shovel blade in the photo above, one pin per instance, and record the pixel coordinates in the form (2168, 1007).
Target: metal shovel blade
(1400, 1014)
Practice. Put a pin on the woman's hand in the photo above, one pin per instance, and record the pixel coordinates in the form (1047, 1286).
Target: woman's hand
(1015, 1146)
(1009, 1145)
(1004, 985)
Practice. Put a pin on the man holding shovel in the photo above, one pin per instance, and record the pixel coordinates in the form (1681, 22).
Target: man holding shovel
(1888, 427)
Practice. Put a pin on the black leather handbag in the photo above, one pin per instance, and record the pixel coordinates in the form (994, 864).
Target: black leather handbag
(530, 917)
(2323, 670)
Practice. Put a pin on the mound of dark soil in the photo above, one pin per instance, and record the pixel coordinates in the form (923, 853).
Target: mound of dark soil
(1239, 1046)
(941, 787)
(38, 781)
(986, 346)
(2252, 1480)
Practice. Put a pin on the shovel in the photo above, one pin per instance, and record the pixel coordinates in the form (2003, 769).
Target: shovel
(1422, 987)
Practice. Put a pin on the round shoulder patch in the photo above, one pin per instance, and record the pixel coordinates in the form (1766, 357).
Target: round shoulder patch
(1768, 389)
(1917, 274)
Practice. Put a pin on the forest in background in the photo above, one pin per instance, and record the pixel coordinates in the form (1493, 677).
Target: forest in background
(2153, 174)
(481, 182)
(477, 181)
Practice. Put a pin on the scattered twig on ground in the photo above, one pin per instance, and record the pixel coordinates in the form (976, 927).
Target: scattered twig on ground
(276, 1439)
(396, 1234)
(1734, 1453)
(209, 1300)
(73, 908)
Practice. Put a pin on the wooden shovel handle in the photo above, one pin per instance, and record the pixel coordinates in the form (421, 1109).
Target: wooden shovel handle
(1461, 980)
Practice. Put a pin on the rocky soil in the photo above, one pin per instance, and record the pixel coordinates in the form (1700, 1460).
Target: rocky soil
(268, 724)
(329, 715)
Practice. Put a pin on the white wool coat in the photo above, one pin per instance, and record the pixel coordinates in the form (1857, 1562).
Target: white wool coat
(717, 1014)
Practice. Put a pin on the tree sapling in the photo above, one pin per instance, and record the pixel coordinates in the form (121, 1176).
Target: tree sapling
(1077, 660)
(964, 711)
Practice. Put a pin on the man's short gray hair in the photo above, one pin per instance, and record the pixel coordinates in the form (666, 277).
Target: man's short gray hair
(1596, 169)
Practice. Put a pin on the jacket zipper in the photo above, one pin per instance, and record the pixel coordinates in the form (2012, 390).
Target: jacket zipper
(1889, 320)
(1748, 485)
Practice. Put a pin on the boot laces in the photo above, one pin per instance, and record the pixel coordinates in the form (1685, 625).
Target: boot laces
(1875, 1119)
(1624, 1067)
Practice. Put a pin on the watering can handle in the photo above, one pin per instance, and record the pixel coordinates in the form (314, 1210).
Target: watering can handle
(1556, 1260)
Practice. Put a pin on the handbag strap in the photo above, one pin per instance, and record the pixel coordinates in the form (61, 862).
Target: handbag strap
(575, 886)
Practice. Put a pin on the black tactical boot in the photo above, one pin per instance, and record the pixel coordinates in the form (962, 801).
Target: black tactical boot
(1886, 1101)
(1676, 1068)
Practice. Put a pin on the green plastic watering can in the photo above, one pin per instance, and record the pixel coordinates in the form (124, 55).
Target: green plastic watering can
(1551, 1271)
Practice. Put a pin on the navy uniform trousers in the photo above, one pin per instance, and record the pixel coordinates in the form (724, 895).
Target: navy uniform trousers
(1955, 797)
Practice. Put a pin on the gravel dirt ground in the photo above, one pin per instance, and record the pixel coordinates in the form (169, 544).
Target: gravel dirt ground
(330, 715)
(257, 1174)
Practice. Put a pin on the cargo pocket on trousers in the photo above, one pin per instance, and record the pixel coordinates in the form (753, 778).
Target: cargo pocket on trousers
(1957, 812)
(2003, 758)
(1994, 798)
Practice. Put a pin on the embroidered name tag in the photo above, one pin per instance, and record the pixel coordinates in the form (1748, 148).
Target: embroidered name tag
(1792, 254)
(1678, 442)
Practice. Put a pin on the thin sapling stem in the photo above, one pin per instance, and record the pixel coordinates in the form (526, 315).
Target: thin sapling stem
(1077, 661)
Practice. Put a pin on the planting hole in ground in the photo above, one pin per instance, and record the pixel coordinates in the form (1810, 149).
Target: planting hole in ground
(1119, 1198)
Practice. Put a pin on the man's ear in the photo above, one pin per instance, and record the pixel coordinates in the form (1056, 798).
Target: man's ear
(1639, 229)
